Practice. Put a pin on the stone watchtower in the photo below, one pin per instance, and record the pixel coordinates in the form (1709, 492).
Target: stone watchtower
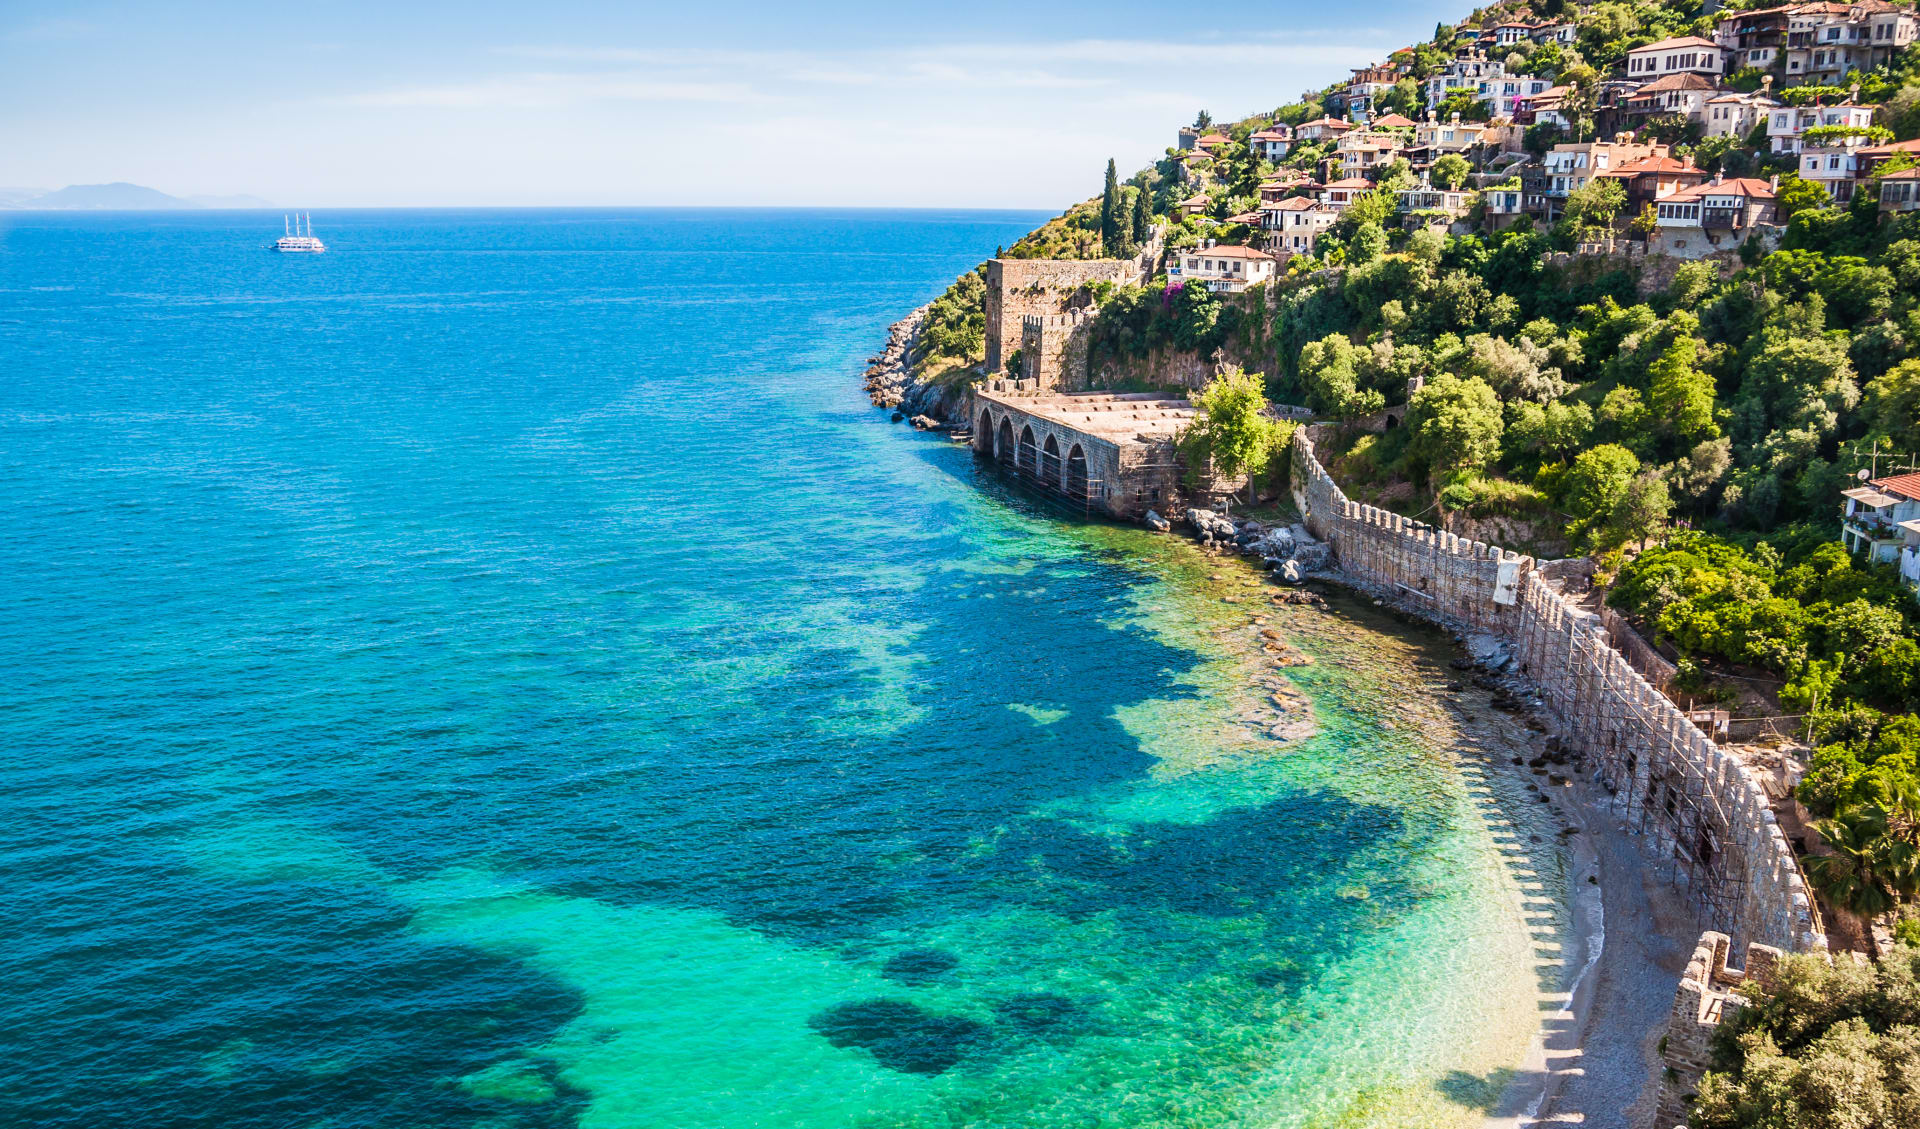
(1017, 288)
(1707, 992)
(1053, 349)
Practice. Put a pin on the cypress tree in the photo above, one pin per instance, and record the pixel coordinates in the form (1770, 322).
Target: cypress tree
(1110, 211)
(1142, 217)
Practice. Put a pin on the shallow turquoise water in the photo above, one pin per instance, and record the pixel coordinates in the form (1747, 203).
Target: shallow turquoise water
(502, 673)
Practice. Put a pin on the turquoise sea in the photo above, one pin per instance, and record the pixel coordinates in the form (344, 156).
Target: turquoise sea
(502, 673)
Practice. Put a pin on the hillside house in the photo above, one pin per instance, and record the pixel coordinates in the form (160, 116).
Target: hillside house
(1571, 164)
(1786, 124)
(1194, 205)
(1424, 204)
(1565, 34)
(1294, 225)
(1504, 204)
(1433, 140)
(1716, 215)
(1273, 142)
(1211, 141)
(1651, 179)
(1836, 166)
(1340, 194)
(1754, 38)
(1549, 107)
(1900, 192)
(1281, 185)
(1370, 84)
(1504, 95)
(1880, 519)
(1734, 114)
(1686, 54)
(1220, 268)
(1320, 129)
(1826, 40)
(1465, 71)
(1508, 34)
(1684, 93)
(1364, 151)
(1873, 156)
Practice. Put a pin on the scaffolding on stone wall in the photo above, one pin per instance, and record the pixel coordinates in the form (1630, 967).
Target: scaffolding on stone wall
(1677, 802)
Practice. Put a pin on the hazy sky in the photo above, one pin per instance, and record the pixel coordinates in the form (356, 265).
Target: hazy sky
(984, 103)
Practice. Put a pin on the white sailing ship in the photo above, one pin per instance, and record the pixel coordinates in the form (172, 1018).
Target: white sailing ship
(297, 240)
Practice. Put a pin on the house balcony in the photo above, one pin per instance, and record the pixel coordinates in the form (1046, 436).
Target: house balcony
(1720, 221)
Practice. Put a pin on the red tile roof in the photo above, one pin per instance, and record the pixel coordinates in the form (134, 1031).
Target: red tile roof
(1351, 182)
(1676, 42)
(1393, 121)
(1685, 80)
(1655, 165)
(1739, 185)
(1329, 123)
(1905, 485)
(1226, 251)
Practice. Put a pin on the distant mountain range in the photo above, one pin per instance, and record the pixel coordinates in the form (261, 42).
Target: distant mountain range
(117, 197)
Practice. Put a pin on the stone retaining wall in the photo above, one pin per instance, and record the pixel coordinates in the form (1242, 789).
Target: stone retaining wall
(1703, 808)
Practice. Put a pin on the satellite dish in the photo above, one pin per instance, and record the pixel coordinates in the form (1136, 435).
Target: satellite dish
(1861, 474)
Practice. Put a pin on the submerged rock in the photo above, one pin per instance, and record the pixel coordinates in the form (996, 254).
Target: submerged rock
(1157, 523)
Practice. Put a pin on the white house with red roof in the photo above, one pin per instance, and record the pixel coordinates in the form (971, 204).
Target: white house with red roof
(1880, 519)
(1294, 225)
(1220, 267)
(1681, 55)
(1273, 142)
(1717, 215)
(1319, 129)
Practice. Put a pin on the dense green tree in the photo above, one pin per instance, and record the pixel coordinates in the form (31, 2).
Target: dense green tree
(1597, 481)
(1142, 216)
(1680, 395)
(1232, 434)
(1455, 423)
(1451, 171)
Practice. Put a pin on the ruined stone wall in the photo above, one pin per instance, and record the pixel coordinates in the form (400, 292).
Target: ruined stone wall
(1705, 995)
(1048, 287)
(1703, 808)
(1053, 350)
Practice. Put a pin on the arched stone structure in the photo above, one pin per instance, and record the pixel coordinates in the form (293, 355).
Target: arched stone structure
(1107, 451)
(1076, 481)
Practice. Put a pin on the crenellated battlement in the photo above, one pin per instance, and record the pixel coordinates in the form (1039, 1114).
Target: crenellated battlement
(1704, 808)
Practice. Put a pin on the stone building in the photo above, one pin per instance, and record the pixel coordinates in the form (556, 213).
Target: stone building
(1708, 989)
(1111, 452)
(1053, 349)
(1017, 288)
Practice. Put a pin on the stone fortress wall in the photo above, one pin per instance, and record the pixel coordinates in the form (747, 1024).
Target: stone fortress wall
(1704, 809)
(1053, 349)
(1049, 288)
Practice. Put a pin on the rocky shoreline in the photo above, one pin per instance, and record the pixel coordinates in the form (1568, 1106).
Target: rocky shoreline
(891, 384)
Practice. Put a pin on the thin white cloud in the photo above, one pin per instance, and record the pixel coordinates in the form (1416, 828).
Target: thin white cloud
(548, 91)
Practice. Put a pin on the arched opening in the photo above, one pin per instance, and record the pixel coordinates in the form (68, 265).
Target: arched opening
(1076, 472)
(1029, 454)
(1050, 462)
(983, 435)
(1003, 442)
(1392, 423)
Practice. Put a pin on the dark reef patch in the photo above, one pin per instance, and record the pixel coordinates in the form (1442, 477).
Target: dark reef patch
(919, 966)
(1041, 1013)
(901, 1035)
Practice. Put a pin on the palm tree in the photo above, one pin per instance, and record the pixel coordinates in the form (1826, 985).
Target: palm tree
(1853, 878)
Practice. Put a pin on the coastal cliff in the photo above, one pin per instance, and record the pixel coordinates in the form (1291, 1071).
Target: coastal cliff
(930, 402)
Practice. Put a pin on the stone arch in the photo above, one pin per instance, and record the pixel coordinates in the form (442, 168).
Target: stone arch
(1392, 422)
(1076, 484)
(1003, 441)
(983, 435)
(1050, 461)
(1029, 453)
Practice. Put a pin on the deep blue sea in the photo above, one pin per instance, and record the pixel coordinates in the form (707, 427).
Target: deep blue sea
(501, 672)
